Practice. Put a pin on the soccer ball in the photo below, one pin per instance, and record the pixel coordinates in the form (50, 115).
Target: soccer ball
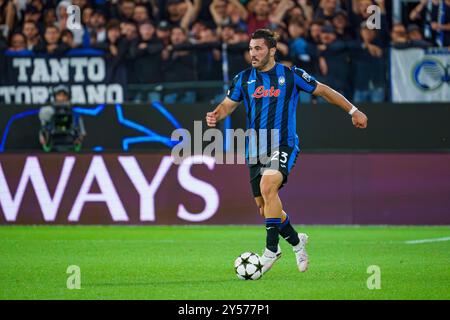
(248, 266)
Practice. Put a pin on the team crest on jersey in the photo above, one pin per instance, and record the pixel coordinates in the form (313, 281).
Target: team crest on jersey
(281, 80)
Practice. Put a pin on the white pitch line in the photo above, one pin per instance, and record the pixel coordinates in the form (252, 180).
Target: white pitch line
(428, 240)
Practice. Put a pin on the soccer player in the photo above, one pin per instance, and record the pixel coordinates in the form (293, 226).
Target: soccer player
(270, 92)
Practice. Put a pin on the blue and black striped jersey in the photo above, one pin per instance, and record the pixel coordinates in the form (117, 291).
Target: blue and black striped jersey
(271, 100)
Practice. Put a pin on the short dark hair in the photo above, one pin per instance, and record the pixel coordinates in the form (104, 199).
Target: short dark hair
(30, 22)
(268, 36)
(17, 33)
(184, 31)
(66, 32)
(113, 24)
(51, 26)
(319, 22)
(146, 21)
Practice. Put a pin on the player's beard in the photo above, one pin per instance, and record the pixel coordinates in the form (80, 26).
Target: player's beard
(264, 62)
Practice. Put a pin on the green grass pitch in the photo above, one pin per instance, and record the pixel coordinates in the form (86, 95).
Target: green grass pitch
(122, 262)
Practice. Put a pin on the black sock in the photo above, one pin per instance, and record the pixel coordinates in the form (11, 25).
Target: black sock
(288, 232)
(273, 231)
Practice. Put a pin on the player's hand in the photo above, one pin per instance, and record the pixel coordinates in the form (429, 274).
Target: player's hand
(359, 120)
(212, 118)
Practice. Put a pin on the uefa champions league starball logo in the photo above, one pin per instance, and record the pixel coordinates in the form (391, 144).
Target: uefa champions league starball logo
(429, 74)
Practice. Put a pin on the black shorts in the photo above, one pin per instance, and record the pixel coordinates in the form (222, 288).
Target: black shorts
(282, 160)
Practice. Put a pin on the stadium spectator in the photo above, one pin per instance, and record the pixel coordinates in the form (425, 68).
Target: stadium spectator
(297, 13)
(3, 45)
(125, 10)
(97, 26)
(313, 39)
(68, 39)
(32, 14)
(62, 21)
(176, 10)
(7, 16)
(273, 4)
(31, 32)
(334, 61)
(303, 53)
(197, 27)
(49, 17)
(361, 13)
(209, 59)
(315, 30)
(163, 32)
(436, 26)
(190, 13)
(368, 67)
(238, 13)
(399, 37)
(18, 43)
(86, 15)
(146, 25)
(140, 14)
(51, 43)
(402, 38)
(281, 10)
(61, 14)
(237, 48)
(225, 13)
(82, 4)
(178, 66)
(129, 31)
(441, 24)
(115, 45)
(242, 35)
(303, 9)
(282, 53)
(259, 16)
(228, 33)
(298, 45)
(327, 10)
(342, 26)
(39, 4)
(416, 38)
(420, 10)
(146, 55)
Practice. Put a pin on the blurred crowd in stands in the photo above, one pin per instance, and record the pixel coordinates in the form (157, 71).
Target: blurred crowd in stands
(182, 40)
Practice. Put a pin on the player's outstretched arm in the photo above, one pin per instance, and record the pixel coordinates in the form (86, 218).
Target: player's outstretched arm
(359, 119)
(225, 108)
